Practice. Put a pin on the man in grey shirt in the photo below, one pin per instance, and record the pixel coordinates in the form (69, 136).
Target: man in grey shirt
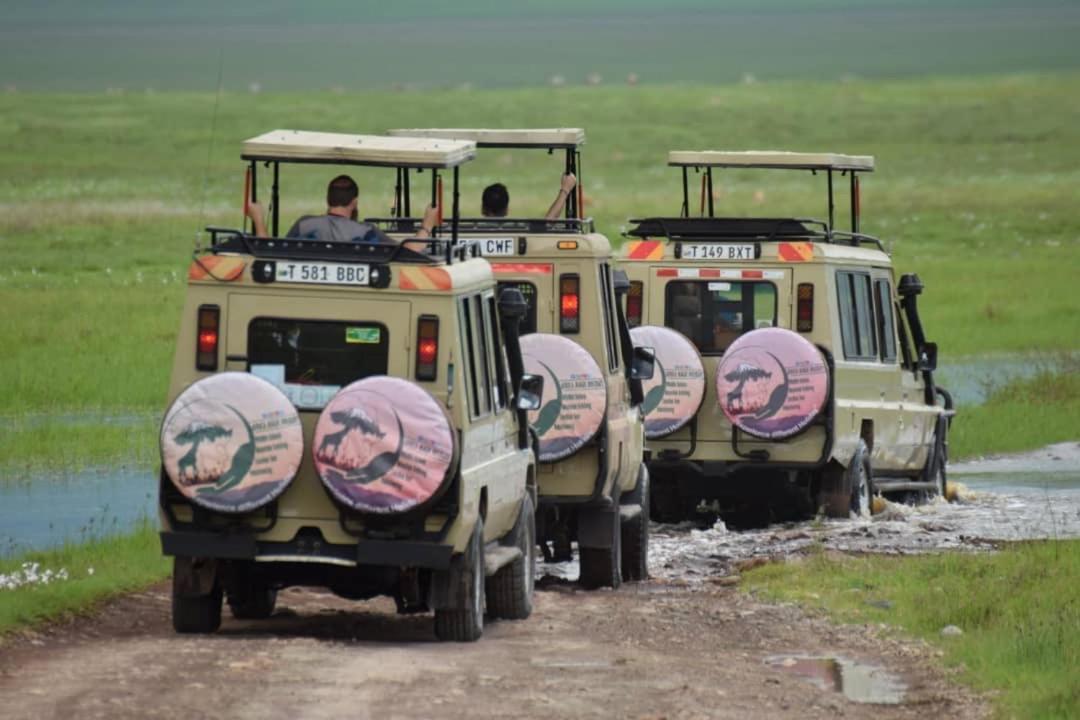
(337, 225)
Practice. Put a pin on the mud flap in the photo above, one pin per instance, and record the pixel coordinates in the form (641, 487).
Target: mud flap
(597, 527)
(194, 577)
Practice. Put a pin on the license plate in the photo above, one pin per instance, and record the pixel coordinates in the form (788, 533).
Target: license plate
(719, 251)
(495, 247)
(322, 273)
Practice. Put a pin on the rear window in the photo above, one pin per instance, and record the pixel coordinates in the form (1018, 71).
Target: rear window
(310, 360)
(712, 313)
(528, 323)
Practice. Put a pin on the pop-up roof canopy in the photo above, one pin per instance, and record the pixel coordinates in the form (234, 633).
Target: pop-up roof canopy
(770, 159)
(302, 146)
(513, 138)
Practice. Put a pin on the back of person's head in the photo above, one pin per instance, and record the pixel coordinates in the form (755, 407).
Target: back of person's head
(496, 200)
(341, 191)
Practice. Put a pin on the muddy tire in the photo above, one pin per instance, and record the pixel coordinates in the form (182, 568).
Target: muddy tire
(255, 602)
(861, 481)
(466, 623)
(635, 532)
(602, 567)
(510, 590)
(195, 613)
(940, 458)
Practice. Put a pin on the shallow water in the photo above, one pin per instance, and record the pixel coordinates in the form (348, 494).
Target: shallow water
(45, 509)
(971, 381)
(859, 682)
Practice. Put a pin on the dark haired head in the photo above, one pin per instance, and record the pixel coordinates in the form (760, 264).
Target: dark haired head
(341, 191)
(496, 201)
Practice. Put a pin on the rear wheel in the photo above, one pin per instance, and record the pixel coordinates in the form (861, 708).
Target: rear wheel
(465, 623)
(635, 532)
(194, 609)
(510, 590)
(602, 566)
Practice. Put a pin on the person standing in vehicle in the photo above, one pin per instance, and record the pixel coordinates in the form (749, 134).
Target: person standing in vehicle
(495, 201)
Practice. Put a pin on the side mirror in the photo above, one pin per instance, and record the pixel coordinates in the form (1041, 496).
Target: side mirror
(643, 363)
(928, 357)
(530, 392)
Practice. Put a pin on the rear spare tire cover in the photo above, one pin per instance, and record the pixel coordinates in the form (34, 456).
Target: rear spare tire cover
(231, 442)
(383, 445)
(574, 403)
(674, 394)
(771, 383)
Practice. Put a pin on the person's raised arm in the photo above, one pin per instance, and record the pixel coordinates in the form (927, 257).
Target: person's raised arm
(257, 214)
(427, 225)
(566, 187)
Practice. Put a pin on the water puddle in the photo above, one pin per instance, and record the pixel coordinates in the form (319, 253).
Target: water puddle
(45, 509)
(972, 380)
(857, 681)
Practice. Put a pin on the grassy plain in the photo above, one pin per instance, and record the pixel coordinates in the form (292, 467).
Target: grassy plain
(1018, 610)
(101, 197)
(96, 570)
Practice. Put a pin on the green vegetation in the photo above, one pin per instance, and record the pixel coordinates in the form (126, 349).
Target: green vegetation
(1022, 415)
(95, 571)
(101, 198)
(1018, 609)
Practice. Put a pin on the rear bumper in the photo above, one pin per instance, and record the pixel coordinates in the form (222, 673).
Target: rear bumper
(244, 546)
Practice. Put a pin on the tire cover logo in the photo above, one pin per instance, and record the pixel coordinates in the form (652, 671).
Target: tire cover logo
(231, 442)
(677, 388)
(574, 403)
(771, 383)
(383, 445)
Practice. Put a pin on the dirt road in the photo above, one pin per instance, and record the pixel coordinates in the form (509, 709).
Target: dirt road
(653, 650)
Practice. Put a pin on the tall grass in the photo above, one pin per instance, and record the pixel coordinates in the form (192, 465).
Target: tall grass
(1019, 611)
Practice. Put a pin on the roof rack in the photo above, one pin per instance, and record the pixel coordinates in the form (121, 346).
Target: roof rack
(736, 228)
(546, 138)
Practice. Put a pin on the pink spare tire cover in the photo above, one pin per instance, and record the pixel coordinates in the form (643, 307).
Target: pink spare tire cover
(231, 442)
(383, 445)
(574, 403)
(674, 394)
(771, 383)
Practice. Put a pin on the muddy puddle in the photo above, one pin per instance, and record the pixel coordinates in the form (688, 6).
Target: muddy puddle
(858, 682)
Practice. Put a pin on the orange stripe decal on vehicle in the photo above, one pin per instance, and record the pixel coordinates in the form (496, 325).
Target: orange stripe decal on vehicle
(645, 250)
(795, 252)
(422, 278)
(500, 268)
(216, 267)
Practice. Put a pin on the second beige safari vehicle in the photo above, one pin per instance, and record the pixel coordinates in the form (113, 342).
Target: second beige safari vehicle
(819, 380)
(598, 495)
(348, 415)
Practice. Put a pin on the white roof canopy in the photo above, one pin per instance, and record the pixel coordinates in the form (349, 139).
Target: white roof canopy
(771, 159)
(303, 146)
(522, 138)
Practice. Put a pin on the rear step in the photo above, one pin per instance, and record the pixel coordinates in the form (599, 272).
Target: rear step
(497, 556)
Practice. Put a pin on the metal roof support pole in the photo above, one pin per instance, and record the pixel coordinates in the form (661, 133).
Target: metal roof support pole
(854, 202)
(254, 181)
(832, 208)
(274, 199)
(397, 194)
(579, 199)
(708, 175)
(454, 217)
(408, 200)
(685, 193)
(569, 210)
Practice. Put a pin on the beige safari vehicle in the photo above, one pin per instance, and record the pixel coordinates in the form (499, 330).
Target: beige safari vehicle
(348, 415)
(596, 491)
(818, 379)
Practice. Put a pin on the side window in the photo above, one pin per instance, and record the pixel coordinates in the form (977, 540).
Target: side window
(468, 332)
(482, 351)
(856, 316)
(502, 386)
(885, 320)
(609, 317)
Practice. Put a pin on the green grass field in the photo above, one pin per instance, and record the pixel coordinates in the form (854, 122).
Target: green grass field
(1018, 610)
(101, 198)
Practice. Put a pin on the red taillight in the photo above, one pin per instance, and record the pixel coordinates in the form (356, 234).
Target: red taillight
(206, 342)
(569, 304)
(427, 348)
(633, 303)
(804, 320)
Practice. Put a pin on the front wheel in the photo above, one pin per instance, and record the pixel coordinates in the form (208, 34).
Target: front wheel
(465, 622)
(510, 590)
(635, 532)
(861, 481)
